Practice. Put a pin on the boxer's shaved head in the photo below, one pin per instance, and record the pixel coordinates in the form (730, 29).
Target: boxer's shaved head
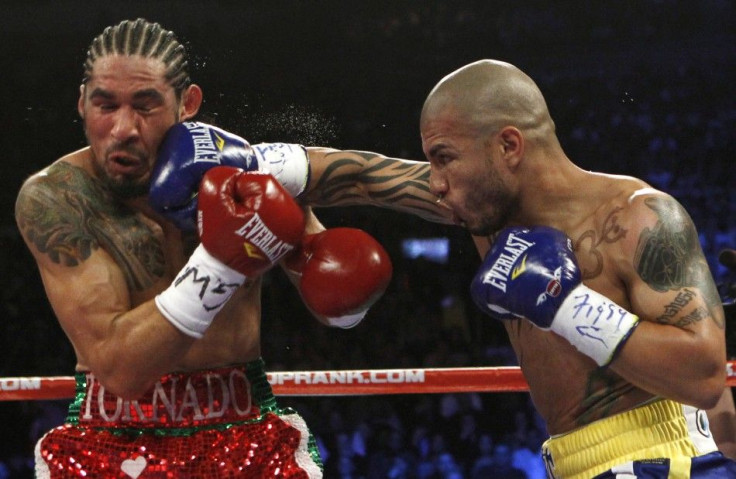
(141, 37)
(489, 95)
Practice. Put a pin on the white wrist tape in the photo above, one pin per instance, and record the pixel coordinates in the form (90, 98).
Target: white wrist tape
(594, 324)
(198, 293)
(287, 162)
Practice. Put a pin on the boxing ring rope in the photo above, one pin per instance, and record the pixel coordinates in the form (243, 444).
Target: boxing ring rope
(332, 383)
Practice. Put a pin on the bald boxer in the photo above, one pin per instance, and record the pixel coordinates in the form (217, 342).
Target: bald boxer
(599, 280)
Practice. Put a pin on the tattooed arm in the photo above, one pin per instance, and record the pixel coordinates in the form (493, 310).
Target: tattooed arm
(92, 257)
(678, 350)
(342, 178)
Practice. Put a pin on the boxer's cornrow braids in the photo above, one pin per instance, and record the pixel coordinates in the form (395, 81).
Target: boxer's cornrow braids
(141, 37)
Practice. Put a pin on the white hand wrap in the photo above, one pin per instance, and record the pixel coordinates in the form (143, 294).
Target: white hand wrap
(594, 324)
(198, 293)
(287, 162)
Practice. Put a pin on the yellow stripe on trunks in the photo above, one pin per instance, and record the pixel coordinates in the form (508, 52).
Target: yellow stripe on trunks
(658, 429)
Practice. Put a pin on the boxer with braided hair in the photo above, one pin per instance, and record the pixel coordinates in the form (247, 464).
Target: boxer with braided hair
(152, 242)
(149, 40)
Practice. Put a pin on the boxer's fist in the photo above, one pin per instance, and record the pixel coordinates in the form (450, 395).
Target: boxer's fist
(187, 152)
(189, 149)
(533, 274)
(247, 222)
(526, 273)
(343, 272)
(246, 219)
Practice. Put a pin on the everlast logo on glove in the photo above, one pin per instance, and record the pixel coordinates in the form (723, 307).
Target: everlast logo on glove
(258, 234)
(209, 143)
(498, 275)
(206, 148)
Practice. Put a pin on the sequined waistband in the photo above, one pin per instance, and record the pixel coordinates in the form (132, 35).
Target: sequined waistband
(178, 400)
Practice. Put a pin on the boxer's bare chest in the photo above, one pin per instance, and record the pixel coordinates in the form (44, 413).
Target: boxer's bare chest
(567, 388)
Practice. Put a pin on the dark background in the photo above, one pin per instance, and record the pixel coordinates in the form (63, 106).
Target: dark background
(643, 88)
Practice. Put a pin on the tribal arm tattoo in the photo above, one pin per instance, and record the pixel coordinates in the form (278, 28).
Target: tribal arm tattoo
(342, 178)
(669, 258)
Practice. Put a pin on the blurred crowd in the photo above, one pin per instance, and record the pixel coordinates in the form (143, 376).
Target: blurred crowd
(672, 123)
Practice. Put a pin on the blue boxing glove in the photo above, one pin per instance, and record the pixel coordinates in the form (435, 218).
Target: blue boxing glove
(533, 274)
(190, 149)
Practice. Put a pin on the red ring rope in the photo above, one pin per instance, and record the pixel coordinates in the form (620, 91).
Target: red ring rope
(332, 383)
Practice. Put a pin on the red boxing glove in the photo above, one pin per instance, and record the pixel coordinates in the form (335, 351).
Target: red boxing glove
(246, 219)
(247, 222)
(343, 272)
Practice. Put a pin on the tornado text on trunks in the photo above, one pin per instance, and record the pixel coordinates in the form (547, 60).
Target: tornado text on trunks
(174, 402)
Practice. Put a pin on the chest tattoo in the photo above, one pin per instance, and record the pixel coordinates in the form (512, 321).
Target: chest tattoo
(588, 244)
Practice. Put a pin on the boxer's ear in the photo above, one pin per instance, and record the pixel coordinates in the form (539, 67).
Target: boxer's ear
(191, 100)
(512, 146)
(80, 102)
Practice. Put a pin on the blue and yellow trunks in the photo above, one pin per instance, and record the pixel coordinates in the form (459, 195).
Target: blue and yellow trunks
(662, 439)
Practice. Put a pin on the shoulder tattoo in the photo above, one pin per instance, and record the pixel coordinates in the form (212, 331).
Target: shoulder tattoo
(67, 215)
(53, 214)
(664, 254)
(669, 258)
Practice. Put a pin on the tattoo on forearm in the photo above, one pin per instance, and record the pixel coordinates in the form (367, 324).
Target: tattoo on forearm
(355, 177)
(340, 172)
(669, 257)
(682, 299)
(588, 243)
(68, 215)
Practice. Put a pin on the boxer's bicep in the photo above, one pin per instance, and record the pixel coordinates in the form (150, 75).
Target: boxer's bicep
(672, 281)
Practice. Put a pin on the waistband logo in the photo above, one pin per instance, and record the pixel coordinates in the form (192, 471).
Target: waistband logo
(175, 401)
